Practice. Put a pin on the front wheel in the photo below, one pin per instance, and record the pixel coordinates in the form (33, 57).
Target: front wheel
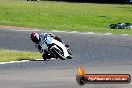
(58, 53)
(46, 56)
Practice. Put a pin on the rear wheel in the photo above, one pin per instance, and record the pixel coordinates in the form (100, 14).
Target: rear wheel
(69, 57)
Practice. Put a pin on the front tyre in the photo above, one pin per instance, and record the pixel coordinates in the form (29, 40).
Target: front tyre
(58, 53)
(46, 56)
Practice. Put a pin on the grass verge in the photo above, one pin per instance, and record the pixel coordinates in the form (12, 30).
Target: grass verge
(83, 17)
(11, 55)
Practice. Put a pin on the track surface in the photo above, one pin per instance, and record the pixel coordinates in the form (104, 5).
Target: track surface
(96, 53)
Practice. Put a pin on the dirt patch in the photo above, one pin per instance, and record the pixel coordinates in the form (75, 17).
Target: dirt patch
(15, 27)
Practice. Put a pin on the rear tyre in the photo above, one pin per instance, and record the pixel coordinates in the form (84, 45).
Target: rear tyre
(69, 57)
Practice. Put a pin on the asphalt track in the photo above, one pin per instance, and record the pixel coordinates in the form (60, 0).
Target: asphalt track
(97, 53)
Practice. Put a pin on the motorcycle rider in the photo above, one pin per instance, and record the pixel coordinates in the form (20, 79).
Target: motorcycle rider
(39, 38)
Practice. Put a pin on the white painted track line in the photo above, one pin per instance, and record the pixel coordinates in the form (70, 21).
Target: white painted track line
(14, 62)
(11, 62)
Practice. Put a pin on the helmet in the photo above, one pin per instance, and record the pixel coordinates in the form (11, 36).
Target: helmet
(35, 37)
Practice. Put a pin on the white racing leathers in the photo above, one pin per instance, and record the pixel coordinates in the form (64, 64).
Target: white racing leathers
(47, 39)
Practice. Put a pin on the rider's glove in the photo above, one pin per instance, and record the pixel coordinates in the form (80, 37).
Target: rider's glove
(51, 35)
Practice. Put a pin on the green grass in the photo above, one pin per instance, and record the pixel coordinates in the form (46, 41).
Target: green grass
(10, 55)
(65, 16)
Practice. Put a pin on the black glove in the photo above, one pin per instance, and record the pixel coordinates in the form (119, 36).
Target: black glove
(51, 35)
